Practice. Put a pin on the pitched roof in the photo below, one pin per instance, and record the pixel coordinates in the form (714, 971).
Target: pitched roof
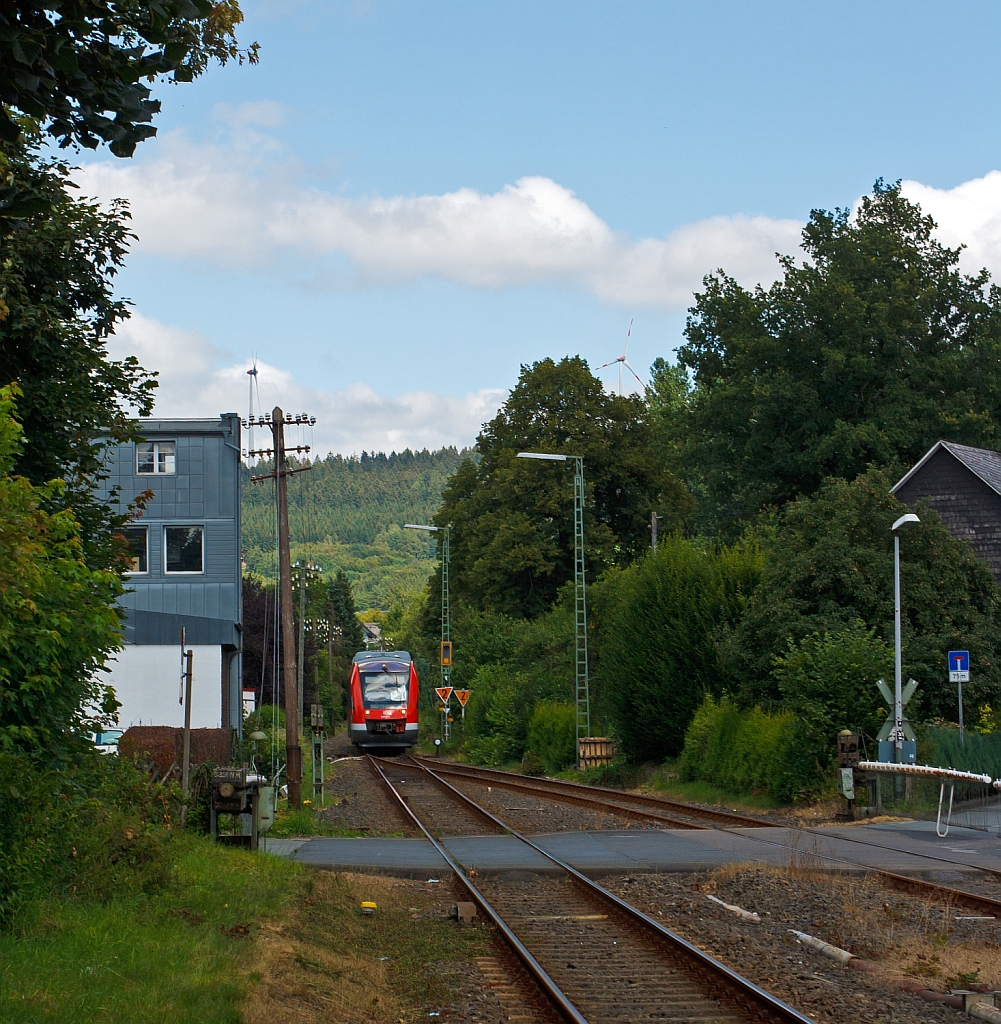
(982, 462)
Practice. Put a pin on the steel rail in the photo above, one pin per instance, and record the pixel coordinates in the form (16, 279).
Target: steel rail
(917, 886)
(552, 991)
(894, 849)
(914, 885)
(558, 785)
(606, 806)
(758, 998)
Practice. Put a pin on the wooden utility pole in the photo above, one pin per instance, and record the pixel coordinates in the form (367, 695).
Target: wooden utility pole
(293, 751)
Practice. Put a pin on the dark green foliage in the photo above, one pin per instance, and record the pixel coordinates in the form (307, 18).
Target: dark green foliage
(512, 519)
(830, 563)
(873, 349)
(68, 64)
(348, 513)
(58, 622)
(829, 682)
(85, 827)
(333, 636)
(552, 734)
(338, 608)
(57, 307)
(509, 665)
(659, 619)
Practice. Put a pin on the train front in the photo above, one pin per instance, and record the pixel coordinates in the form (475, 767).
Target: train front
(383, 711)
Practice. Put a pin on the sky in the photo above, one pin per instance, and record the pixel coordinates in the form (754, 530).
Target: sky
(403, 203)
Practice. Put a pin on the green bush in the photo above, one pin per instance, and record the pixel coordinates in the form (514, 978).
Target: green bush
(657, 640)
(552, 734)
(749, 751)
(91, 827)
(976, 752)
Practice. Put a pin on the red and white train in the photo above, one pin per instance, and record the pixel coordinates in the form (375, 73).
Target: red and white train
(382, 696)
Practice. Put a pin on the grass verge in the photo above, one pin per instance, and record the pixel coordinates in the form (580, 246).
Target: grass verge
(327, 961)
(173, 956)
(663, 781)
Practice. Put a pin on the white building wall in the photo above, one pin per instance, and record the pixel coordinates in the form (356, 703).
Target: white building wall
(146, 679)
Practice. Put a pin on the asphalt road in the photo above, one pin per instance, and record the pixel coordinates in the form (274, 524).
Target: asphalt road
(909, 847)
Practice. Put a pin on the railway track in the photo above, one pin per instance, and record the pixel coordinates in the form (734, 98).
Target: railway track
(596, 957)
(639, 805)
(614, 801)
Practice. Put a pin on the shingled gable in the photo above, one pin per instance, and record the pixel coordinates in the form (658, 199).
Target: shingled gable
(963, 485)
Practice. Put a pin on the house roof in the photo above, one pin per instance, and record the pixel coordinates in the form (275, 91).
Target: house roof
(981, 462)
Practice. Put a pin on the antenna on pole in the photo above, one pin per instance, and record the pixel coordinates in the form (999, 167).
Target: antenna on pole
(251, 380)
(622, 361)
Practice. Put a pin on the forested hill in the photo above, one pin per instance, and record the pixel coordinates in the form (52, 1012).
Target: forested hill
(348, 513)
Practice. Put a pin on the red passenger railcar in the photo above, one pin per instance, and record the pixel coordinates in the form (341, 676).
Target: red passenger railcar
(382, 710)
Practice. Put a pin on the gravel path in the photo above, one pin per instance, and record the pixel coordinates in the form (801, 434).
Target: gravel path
(362, 803)
(904, 934)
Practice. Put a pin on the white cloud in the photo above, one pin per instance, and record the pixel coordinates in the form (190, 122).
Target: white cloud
(242, 203)
(969, 214)
(193, 384)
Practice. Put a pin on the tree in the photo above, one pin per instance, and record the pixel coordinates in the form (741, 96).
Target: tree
(68, 64)
(658, 622)
(57, 307)
(512, 519)
(339, 605)
(871, 350)
(830, 566)
(58, 622)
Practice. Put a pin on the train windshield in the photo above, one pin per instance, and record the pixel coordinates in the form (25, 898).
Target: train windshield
(384, 689)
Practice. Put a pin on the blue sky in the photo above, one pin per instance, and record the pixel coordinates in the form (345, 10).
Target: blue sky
(404, 202)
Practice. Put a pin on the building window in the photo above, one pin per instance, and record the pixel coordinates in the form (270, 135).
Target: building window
(183, 548)
(137, 539)
(155, 457)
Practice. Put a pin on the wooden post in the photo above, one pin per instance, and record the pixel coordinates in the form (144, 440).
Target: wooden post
(293, 752)
(186, 750)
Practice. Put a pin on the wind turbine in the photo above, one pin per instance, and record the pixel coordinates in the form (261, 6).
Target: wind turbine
(622, 361)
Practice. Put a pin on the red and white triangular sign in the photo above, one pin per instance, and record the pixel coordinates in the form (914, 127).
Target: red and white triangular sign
(462, 696)
(444, 692)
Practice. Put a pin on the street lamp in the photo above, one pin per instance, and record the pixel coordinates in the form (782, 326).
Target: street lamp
(580, 595)
(446, 626)
(903, 523)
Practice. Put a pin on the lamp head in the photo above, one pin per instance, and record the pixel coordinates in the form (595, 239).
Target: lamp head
(542, 455)
(905, 522)
(257, 736)
(415, 526)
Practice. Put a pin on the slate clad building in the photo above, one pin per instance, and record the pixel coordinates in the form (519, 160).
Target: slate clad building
(186, 571)
(963, 485)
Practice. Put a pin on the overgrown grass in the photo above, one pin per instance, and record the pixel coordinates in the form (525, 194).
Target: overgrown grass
(307, 821)
(172, 955)
(664, 781)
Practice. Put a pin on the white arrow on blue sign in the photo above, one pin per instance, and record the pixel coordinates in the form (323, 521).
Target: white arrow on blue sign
(959, 666)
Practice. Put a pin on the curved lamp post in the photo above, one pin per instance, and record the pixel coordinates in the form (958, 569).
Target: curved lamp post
(580, 594)
(903, 523)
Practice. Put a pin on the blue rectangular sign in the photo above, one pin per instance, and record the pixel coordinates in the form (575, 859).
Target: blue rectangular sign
(959, 661)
